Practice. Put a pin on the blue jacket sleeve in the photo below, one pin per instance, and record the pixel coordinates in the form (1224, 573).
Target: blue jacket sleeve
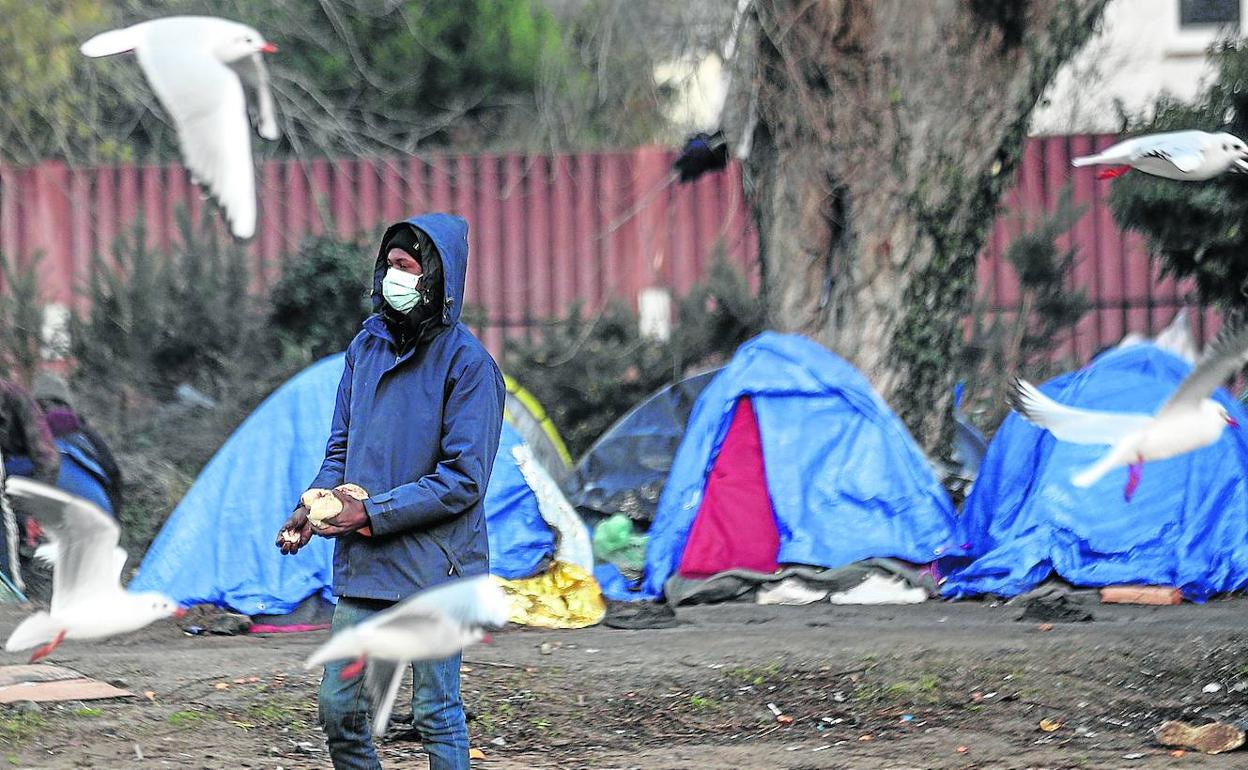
(471, 424)
(333, 467)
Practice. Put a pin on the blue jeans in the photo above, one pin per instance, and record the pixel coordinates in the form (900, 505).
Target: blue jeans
(437, 711)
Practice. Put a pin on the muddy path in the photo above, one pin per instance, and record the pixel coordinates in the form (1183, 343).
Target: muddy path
(930, 686)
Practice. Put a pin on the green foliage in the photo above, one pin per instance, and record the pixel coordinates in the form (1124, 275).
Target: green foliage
(588, 371)
(364, 76)
(323, 295)
(1050, 306)
(158, 320)
(717, 316)
(155, 321)
(21, 318)
(50, 95)
(1004, 346)
(187, 718)
(1198, 230)
(19, 727)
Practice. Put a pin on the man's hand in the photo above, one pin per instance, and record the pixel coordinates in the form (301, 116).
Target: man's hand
(295, 533)
(352, 519)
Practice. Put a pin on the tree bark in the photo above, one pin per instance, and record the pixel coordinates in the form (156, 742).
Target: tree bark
(886, 132)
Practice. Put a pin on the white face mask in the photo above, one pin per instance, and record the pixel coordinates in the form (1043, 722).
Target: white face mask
(402, 290)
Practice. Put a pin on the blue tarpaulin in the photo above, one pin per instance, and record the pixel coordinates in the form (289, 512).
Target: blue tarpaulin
(1186, 526)
(625, 469)
(217, 546)
(79, 474)
(846, 480)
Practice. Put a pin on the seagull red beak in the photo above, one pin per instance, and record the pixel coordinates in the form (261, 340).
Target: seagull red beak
(1231, 421)
(268, 48)
(180, 612)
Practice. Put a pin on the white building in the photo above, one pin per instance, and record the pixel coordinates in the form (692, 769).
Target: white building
(1145, 48)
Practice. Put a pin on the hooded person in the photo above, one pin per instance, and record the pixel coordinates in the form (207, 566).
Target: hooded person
(88, 467)
(416, 424)
(26, 449)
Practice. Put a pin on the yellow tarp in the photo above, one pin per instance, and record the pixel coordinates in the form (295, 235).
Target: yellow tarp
(566, 596)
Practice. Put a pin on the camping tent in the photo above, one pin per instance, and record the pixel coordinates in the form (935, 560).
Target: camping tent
(625, 469)
(79, 473)
(791, 458)
(217, 546)
(526, 414)
(1186, 526)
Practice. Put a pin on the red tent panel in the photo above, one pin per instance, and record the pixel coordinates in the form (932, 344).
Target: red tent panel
(735, 527)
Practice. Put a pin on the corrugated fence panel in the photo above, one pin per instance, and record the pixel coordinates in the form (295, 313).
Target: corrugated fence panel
(547, 231)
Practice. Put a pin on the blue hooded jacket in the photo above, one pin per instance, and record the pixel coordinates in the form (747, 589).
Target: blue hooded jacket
(419, 432)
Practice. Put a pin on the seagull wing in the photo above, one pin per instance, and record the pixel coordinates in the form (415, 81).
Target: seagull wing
(382, 676)
(114, 41)
(86, 540)
(1185, 150)
(473, 602)
(1223, 358)
(254, 74)
(381, 685)
(1077, 426)
(206, 101)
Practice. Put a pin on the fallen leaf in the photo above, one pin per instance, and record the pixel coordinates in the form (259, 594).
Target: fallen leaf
(962, 749)
(784, 719)
(465, 669)
(150, 695)
(976, 697)
(865, 738)
(1046, 627)
(476, 754)
(221, 686)
(1178, 753)
(1050, 725)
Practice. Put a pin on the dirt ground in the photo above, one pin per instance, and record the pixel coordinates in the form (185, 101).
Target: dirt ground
(932, 686)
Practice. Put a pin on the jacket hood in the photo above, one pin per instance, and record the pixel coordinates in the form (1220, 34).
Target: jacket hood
(449, 234)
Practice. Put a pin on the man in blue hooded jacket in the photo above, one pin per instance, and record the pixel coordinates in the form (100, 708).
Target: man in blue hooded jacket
(416, 424)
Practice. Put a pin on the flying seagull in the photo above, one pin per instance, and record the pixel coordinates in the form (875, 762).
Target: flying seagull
(431, 625)
(1190, 156)
(198, 65)
(1189, 420)
(88, 601)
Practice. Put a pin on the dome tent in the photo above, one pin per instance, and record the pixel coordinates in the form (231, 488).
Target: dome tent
(217, 545)
(791, 458)
(1186, 526)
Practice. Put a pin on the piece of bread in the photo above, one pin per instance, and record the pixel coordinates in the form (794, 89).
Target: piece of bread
(322, 505)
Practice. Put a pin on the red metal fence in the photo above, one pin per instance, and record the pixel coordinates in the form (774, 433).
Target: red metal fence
(544, 230)
(1124, 286)
(549, 229)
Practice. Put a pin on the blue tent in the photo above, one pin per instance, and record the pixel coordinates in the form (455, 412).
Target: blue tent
(625, 469)
(217, 546)
(79, 474)
(1186, 526)
(846, 480)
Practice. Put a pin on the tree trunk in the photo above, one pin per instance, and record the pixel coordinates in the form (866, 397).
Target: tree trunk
(886, 131)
